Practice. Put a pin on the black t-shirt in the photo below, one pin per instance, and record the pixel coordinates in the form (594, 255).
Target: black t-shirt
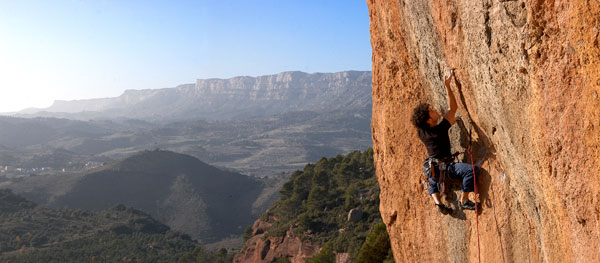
(436, 140)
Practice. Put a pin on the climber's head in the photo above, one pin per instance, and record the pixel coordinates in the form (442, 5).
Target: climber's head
(424, 116)
(434, 115)
(420, 116)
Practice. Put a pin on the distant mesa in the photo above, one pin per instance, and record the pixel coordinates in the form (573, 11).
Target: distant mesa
(234, 98)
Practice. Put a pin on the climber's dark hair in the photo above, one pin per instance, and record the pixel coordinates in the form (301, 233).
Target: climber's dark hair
(420, 116)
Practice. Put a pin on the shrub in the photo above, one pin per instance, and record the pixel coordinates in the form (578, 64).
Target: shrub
(326, 255)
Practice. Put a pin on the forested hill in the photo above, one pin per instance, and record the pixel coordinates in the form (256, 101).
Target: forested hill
(31, 233)
(179, 190)
(325, 211)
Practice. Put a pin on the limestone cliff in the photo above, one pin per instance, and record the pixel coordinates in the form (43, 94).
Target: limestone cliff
(234, 98)
(528, 76)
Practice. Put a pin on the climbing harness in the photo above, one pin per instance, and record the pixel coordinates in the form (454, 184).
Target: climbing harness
(443, 169)
(429, 166)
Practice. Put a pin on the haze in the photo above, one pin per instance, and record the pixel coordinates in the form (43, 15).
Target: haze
(66, 50)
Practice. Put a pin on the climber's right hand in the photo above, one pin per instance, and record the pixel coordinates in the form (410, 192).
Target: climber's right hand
(447, 82)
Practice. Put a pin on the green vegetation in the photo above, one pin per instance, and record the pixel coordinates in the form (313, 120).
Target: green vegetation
(200, 255)
(315, 202)
(377, 247)
(109, 247)
(324, 256)
(247, 233)
(120, 234)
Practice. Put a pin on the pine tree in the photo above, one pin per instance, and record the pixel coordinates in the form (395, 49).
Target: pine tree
(377, 246)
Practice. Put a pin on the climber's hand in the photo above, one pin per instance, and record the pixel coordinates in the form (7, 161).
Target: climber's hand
(447, 82)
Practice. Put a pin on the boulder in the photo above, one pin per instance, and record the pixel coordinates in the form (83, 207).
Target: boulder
(355, 215)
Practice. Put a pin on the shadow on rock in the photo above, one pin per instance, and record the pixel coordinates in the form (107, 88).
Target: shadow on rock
(484, 181)
(452, 197)
(454, 189)
(482, 147)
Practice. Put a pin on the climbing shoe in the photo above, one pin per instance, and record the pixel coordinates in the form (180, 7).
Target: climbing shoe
(468, 205)
(443, 209)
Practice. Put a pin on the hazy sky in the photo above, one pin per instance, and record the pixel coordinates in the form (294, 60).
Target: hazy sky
(79, 49)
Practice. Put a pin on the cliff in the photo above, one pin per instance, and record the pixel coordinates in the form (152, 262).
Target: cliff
(528, 76)
(233, 98)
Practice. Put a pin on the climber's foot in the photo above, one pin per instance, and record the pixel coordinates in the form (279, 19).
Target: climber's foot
(443, 209)
(468, 205)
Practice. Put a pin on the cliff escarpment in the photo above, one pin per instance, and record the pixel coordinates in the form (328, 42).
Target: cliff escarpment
(528, 83)
(223, 99)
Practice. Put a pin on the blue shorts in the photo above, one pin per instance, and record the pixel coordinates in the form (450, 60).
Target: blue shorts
(457, 171)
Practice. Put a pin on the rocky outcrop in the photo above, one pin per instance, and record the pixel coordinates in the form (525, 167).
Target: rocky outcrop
(355, 215)
(528, 81)
(271, 249)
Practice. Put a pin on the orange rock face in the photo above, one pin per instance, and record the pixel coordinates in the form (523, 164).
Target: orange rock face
(528, 75)
(274, 248)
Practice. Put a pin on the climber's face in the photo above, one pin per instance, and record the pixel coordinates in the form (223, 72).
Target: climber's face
(433, 117)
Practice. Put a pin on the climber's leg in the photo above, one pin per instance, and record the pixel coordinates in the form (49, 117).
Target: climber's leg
(435, 194)
(463, 172)
(436, 198)
(433, 189)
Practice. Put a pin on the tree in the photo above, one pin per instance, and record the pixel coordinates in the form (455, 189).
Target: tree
(377, 246)
(317, 198)
(247, 233)
(326, 255)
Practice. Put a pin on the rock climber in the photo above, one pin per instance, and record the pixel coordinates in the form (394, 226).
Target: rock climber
(434, 134)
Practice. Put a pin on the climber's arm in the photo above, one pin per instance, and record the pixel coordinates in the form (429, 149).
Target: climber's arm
(451, 114)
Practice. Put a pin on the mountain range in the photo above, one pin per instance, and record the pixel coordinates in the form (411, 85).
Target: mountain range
(261, 126)
(224, 99)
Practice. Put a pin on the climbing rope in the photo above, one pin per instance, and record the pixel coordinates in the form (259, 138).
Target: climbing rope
(476, 203)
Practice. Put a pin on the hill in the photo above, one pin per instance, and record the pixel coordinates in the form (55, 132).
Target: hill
(35, 234)
(188, 195)
(327, 210)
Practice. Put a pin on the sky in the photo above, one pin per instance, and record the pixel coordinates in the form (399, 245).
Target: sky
(80, 49)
